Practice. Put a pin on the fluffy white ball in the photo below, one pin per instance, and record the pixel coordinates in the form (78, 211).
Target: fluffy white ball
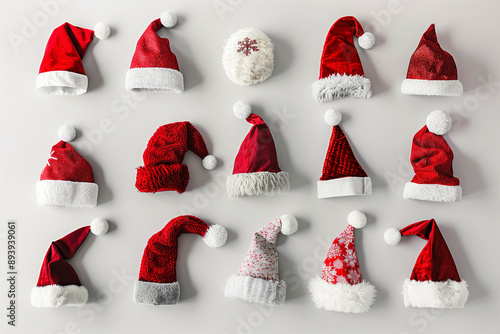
(289, 224)
(215, 236)
(357, 219)
(367, 40)
(439, 122)
(333, 117)
(67, 133)
(209, 162)
(242, 109)
(168, 19)
(392, 236)
(99, 226)
(102, 30)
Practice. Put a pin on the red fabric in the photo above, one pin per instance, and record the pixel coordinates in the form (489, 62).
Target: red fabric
(66, 48)
(430, 62)
(154, 51)
(432, 159)
(160, 256)
(435, 262)
(162, 178)
(55, 270)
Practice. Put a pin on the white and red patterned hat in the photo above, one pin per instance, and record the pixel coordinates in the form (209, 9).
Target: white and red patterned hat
(340, 287)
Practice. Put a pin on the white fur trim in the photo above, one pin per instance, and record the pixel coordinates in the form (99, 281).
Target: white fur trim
(209, 162)
(366, 41)
(432, 87)
(392, 236)
(154, 80)
(102, 30)
(152, 293)
(432, 192)
(337, 86)
(61, 83)
(357, 219)
(345, 186)
(289, 224)
(256, 290)
(215, 236)
(439, 122)
(447, 294)
(259, 183)
(333, 117)
(67, 193)
(342, 297)
(57, 295)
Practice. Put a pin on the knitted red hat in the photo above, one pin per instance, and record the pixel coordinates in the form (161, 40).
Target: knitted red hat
(432, 159)
(67, 179)
(340, 287)
(342, 173)
(157, 284)
(258, 280)
(434, 281)
(341, 73)
(61, 71)
(256, 170)
(154, 67)
(432, 71)
(163, 157)
(58, 283)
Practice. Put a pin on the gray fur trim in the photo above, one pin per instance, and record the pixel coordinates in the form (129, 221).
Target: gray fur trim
(337, 86)
(152, 293)
(259, 183)
(256, 290)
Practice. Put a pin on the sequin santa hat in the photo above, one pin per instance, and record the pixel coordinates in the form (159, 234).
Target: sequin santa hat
(432, 71)
(61, 71)
(154, 67)
(341, 73)
(67, 179)
(157, 284)
(258, 279)
(256, 170)
(432, 159)
(434, 281)
(58, 284)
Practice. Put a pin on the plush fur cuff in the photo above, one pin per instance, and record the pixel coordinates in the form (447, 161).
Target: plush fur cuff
(67, 193)
(57, 295)
(447, 294)
(151, 179)
(61, 83)
(432, 87)
(256, 290)
(345, 186)
(259, 183)
(432, 192)
(337, 86)
(152, 293)
(154, 80)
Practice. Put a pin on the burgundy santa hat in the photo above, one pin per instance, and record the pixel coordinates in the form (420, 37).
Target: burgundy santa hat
(61, 71)
(157, 284)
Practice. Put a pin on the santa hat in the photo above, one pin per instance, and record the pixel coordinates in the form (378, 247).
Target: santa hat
(163, 168)
(434, 281)
(432, 159)
(340, 287)
(341, 73)
(58, 283)
(67, 179)
(258, 280)
(61, 71)
(432, 71)
(248, 57)
(157, 284)
(154, 67)
(256, 170)
(342, 173)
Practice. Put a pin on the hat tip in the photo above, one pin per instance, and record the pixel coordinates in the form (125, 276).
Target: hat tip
(392, 236)
(289, 224)
(366, 41)
(215, 236)
(357, 219)
(102, 30)
(99, 226)
(439, 122)
(209, 162)
(242, 109)
(333, 117)
(67, 133)
(168, 19)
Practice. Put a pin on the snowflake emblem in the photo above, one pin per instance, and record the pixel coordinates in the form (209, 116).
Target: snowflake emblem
(354, 276)
(344, 238)
(341, 279)
(51, 157)
(247, 46)
(334, 251)
(337, 264)
(350, 258)
(329, 273)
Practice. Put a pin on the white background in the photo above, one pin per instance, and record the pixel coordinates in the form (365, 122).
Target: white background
(380, 131)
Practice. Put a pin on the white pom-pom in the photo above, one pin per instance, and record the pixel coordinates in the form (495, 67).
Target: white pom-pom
(209, 162)
(168, 19)
(439, 122)
(357, 219)
(367, 40)
(99, 226)
(289, 224)
(242, 109)
(67, 133)
(392, 236)
(215, 236)
(102, 31)
(333, 117)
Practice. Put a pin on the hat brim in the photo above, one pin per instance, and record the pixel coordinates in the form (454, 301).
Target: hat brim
(152, 293)
(256, 290)
(154, 80)
(258, 183)
(61, 83)
(151, 179)
(432, 192)
(337, 86)
(442, 295)
(432, 87)
(67, 193)
(59, 295)
(345, 186)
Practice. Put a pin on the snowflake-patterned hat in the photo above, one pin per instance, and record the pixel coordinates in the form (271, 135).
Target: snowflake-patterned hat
(248, 57)
(67, 179)
(434, 281)
(258, 279)
(340, 287)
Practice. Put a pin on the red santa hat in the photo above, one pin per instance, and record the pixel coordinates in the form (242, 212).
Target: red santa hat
(258, 280)
(154, 67)
(341, 74)
(67, 179)
(61, 71)
(432, 159)
(58, 283)
(256, 170)
(157, 284)
(432, 71)
(434, 281)
(340, 287)
(163, 169)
